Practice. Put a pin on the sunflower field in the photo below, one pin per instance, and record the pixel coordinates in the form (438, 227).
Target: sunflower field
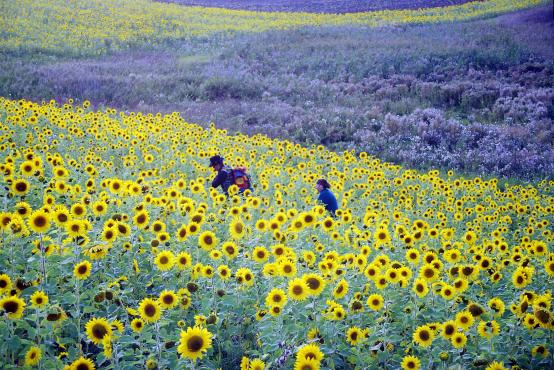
(115, 253)
(95, 27)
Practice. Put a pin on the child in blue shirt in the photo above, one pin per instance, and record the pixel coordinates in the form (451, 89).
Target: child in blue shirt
(326, 196)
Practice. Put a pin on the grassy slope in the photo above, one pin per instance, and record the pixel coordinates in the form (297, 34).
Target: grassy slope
(344, 87)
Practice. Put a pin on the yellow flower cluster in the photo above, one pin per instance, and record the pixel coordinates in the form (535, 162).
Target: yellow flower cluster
(96, 26)
(110, 217)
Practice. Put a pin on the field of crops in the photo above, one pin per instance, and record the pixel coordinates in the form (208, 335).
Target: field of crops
(92, 27)
(115, 253)
(319, 6)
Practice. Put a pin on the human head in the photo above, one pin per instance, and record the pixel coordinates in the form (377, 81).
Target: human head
(322, 184)
(216, 161)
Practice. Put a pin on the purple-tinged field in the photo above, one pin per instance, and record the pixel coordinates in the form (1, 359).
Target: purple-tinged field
(319, 6)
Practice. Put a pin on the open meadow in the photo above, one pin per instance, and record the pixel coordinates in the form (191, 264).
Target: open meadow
(433, 126)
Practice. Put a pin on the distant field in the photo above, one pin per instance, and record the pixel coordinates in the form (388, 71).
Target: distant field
(319, 6)
(484, 87)
(95, 27)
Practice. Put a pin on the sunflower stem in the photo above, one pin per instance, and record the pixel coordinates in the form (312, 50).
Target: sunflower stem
(10, 355)
(78, 313)
(12, 262)
(78, 301)
(42, 265)
(37, 324)
(158, 344)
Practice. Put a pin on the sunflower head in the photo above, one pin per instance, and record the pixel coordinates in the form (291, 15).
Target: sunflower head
(97, 329)
(194, 343)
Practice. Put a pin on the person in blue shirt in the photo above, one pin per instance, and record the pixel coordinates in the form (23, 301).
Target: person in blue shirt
(326, 196)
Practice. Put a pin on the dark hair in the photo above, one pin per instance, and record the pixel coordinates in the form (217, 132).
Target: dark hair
(323, 183)
(216, 159)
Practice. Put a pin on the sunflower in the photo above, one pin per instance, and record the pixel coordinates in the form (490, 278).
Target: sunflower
(224, 272)
(158, 226)
(392, 275)
(286, 268)
(182, 233)
(117, 325)
(168, 299)
(5, 283)
(149, 310)
(328, 224)
(530, 321)
(194, 343)
(540, 350)
(464, 319)
(315, 283)
(260, 254)
(412, 256)
(549, 267)
(488, 329)
(298, 289)
(23, 209)
(257, 364)
(193, 228)
(207, 271)
(39, 221)
(20, 187)
(261, 225)
(237, 229)
(341, 289)
(141, 219)
(183, 261)
(78, 210)
(33, 355)
(475, 309)
(420, 288)
(39, 299)
(230, 249)
(244, 276)
(309, 257)
(137, 325)
(355, 335)
(452, 256)
(97, 329)
(544, 318)
(75, 228)
(428, 273)
(275, 311)
(99, 208)
(151, 364)
(207, 240)
(82, 364)
(460, 285)
(497, 305)
(310, 351)
(382, 237)
(109, 234)
(424, 336)
(276, 297)
(458, 340)
(410, 363)
(447, 292)
(448, 329)
(496, 366)
(27, 168)
(375, 302)
(82, 270)
(306, 364)
(164, 260)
